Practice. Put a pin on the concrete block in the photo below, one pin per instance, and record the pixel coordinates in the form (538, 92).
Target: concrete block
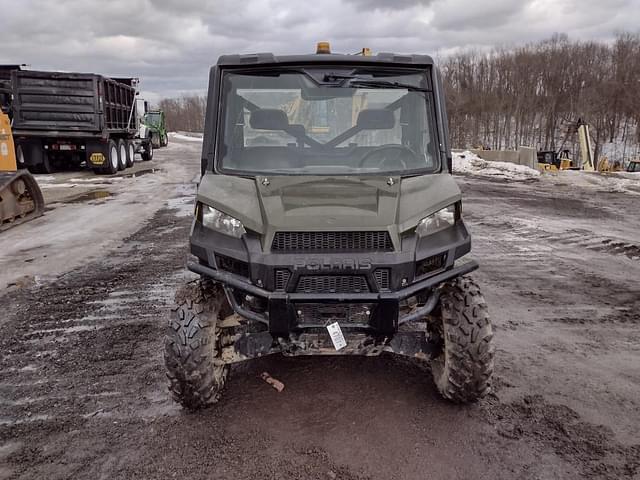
(528, 156)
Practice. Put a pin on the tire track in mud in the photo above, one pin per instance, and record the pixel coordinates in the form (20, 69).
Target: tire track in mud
(557, 287)
(576, 238)
(578, 292)
(543, 279)
(88, 344)
(83, 387)
(590, 448)
(494, 207)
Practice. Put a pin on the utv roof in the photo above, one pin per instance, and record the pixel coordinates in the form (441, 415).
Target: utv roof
(324, 58)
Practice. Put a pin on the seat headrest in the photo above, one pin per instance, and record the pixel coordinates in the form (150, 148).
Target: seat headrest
(268, 119)
(376, 119)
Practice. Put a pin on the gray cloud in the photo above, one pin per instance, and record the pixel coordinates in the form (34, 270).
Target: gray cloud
(171, 44)
(462, 14)
(389, 4)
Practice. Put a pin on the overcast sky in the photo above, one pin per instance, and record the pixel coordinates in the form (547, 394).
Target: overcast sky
(170, 44)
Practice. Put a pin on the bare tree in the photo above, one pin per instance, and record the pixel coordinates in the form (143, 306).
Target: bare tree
(535, 94)
(185, 113)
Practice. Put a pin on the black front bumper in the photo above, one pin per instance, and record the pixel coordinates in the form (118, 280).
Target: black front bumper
(248, 271)
(281, 315)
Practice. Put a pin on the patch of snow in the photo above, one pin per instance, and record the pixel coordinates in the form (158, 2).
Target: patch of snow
(469, 163)
(620, 182)
(191, 137)
(45, 178)
(58, 185)
(107, 181)
(629, 175)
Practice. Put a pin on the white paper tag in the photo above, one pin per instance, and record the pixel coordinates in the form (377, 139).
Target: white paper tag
(335, 332)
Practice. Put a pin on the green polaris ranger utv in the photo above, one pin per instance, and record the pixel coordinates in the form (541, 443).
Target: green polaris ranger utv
(327, 222)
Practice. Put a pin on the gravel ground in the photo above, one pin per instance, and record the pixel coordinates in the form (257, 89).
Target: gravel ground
(82, 387)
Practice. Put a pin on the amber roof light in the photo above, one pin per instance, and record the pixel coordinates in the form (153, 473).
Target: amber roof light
(323, 47)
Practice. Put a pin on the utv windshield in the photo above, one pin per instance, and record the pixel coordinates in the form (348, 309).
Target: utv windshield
(327, 123)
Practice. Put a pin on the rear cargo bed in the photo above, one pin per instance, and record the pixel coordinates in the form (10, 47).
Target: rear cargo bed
(58, 102)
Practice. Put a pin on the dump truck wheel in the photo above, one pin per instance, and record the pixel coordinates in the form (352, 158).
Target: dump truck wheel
(147, 153)
(20, 158)
(165, 140)
(192, 348)
(122, 154)
(111, 165)
(45, 167)
(462, 371)
(131, 153)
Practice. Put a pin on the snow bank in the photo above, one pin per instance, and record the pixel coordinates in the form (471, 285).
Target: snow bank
(187, 137)
(468, 163)
(617, 182)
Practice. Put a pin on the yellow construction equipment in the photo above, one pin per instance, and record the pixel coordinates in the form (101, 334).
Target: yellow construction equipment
(634, 166)
(20, 196)
(605, 166)
(550, 160)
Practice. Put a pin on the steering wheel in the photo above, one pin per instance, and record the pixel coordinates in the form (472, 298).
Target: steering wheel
(400, 151)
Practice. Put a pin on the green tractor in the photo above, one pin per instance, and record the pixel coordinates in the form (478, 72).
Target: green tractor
(154, 120)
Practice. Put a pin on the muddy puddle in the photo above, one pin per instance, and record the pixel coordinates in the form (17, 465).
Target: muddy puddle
(89, 196)
(146, 171)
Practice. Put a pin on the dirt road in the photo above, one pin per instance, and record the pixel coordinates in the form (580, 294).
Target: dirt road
(82, 390)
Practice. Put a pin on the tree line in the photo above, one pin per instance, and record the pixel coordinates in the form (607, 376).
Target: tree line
(530, 95)
(535, 94)
(185, 113)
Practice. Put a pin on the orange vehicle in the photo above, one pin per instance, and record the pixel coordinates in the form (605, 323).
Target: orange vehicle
(20, 195)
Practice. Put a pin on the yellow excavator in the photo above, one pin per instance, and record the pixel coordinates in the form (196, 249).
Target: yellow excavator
(20, 196)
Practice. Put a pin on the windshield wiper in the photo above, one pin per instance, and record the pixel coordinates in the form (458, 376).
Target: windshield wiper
(354, 81)
(385, 84)
(331, 77)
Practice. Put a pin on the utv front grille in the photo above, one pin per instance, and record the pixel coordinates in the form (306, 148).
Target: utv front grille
(345, 313)
(431, 264)
(332, 242)
(282, 279)
(332, 284)
(382, 278)
(232, 265)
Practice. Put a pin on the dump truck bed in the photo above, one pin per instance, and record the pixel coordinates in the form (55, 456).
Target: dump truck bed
(69, 104)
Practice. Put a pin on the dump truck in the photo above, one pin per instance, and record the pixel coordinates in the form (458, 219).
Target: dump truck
(63, 119)
(20, 196)
(5, 87)
(327, 222)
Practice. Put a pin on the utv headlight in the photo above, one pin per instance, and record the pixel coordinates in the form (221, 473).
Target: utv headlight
(440, 220)
(221, 222)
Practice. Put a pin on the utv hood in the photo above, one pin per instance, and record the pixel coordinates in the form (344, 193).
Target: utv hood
(328, 203)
